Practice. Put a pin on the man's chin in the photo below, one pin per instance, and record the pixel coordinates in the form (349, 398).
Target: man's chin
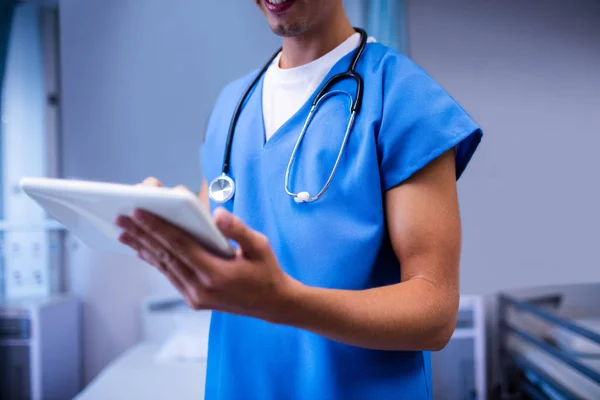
(287, 30)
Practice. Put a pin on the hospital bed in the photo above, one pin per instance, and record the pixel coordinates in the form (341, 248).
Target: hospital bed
(168, 363)
(550, 342)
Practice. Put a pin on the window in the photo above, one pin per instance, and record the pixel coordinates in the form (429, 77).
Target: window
(30, 243)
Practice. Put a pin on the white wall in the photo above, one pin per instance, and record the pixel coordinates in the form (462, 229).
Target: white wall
(139, 79)
(529, 73)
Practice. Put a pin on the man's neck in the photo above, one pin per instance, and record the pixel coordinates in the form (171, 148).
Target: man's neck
(303, 49)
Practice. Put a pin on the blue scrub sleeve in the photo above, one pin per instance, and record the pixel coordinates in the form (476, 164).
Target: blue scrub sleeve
(420, 122)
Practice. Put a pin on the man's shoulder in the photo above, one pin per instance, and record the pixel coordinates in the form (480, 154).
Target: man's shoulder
(391, 62)
(237, 86)
(400, 77)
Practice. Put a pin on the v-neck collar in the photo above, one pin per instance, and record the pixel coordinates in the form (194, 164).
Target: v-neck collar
(303, 110)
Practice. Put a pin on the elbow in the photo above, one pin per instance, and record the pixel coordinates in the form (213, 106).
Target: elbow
(440, 332)
(433, 338)
(440, 339)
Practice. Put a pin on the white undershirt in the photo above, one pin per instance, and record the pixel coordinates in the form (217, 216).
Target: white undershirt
(286, 90)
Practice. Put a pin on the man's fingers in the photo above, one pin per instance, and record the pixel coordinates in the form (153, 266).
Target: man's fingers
(152, 181)
(177, 241)
(148, 257)
(129, 240)
(252, 243)
(175, 280)
(183, 188)
(156, 254)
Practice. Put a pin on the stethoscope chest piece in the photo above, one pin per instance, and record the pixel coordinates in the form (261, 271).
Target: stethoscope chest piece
(221, 189)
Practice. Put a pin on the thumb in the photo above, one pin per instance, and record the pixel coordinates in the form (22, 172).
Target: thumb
(251, 242)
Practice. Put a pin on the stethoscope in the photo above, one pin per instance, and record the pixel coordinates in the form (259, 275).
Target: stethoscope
(222, 188)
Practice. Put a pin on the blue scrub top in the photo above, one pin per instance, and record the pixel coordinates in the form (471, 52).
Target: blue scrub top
(340, 241)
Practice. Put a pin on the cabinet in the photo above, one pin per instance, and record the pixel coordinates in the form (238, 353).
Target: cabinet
(40, 349)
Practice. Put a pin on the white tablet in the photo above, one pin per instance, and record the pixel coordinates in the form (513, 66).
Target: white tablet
(89, 210)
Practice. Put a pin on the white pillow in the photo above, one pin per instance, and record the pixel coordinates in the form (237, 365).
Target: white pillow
(575, 343)
(189, 341)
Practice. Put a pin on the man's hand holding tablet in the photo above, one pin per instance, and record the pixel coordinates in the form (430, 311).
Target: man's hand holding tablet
(251, 283)
(173, 230)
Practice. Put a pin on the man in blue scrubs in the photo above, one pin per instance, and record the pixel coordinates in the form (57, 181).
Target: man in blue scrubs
(344, 297)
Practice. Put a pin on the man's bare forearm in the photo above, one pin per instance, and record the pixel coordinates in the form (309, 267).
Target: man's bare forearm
(414, 315)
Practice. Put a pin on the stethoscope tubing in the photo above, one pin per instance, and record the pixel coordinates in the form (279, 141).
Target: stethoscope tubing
(223, 181)
(301, 137)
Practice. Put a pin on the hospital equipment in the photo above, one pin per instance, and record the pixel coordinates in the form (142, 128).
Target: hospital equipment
(550, 342)
(90, 210)
(40, 356)
(222, 188)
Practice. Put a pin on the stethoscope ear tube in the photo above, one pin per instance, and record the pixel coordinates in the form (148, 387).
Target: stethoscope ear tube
(357, 104)
(356, 101)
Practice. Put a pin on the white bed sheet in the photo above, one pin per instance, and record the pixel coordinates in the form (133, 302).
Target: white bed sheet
(136, 375)
(559, 371)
